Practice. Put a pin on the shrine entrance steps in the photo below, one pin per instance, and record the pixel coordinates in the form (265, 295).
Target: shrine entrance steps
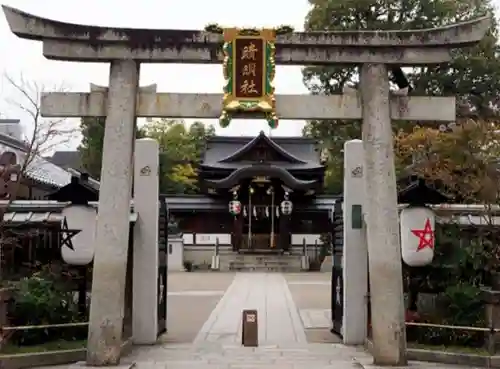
(260, 262)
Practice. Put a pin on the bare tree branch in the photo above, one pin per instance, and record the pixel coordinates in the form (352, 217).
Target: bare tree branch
(44, 136)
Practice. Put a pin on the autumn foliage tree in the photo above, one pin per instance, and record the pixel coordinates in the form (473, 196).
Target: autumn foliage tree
(462, 161)
(473, 75)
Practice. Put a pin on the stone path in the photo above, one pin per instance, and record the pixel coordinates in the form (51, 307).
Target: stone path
(281, 332)
(233, 356)
(268, 293)
(282, 341)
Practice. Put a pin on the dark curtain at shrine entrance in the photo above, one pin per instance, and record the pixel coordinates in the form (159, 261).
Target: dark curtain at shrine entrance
(285, 237)
(237, 231)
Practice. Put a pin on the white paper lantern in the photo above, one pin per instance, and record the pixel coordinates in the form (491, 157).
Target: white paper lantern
(286, 207)
(83, 218)
(234, 207)
(417, 236)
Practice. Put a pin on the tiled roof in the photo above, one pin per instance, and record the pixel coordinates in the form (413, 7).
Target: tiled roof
(45, 172)
(39, 169)
(306, 150)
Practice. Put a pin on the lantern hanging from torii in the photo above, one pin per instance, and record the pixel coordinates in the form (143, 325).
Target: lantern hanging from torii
(417, 226)
(78, 234)
(235, 207)
(286, 207)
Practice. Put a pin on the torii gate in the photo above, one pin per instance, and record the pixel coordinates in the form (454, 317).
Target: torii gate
(125, 49)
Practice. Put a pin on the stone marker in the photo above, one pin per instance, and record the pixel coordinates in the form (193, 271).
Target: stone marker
(250, 329)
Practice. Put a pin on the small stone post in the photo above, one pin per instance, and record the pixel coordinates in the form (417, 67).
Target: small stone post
(113, 220)
(5, 295)
(491, 299)
(305, 258)
(215, 257)
(384, 250)
(355, 271)
(146, 196)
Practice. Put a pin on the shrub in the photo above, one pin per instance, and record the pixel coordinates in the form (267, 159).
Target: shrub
(40, 300)
(461, 306)
(188, 265)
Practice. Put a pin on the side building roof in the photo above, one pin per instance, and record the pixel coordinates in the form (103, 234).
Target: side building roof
(39, 169)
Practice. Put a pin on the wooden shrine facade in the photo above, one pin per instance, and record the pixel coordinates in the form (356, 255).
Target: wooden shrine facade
(259, 173)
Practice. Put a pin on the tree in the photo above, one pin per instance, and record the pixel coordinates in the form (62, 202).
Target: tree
(180, 151)
(90, 149)
(474, 73)
(462, 162)
(41, 135)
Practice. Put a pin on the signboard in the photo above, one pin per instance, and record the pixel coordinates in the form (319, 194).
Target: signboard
(249, 69)
(250, 329)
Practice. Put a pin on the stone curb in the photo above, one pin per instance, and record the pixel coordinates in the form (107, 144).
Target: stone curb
(18, 361)
(453, 358)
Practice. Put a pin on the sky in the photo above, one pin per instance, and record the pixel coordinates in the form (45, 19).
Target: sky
(23, 57)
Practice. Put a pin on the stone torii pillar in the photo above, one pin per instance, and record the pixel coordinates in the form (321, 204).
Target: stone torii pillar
(112, 236)
(126, 48)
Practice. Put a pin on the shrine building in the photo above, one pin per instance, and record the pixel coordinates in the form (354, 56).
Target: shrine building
(260, 195)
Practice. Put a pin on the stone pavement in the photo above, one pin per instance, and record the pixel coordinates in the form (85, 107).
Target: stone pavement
(282, 342)
(268, 293)
(233, 356)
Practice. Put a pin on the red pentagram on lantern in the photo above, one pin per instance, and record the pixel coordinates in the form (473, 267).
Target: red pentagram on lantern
(426, 236)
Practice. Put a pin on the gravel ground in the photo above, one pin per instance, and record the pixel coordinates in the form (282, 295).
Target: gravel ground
(311, 276)
(192, 298)
(199, 281)
(312, 291)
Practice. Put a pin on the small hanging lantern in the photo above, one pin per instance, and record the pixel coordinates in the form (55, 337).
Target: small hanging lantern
(417, 235)
(286, 207)
(78, 233)
(235, 207)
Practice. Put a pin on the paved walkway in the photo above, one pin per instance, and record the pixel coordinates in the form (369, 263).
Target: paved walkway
(268, 293)
(282, 342)
(234, 356)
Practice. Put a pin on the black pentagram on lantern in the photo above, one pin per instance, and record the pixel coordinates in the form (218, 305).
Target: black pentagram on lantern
(67, 234)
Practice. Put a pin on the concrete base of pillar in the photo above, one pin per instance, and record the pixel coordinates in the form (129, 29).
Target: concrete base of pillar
(215, 262)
